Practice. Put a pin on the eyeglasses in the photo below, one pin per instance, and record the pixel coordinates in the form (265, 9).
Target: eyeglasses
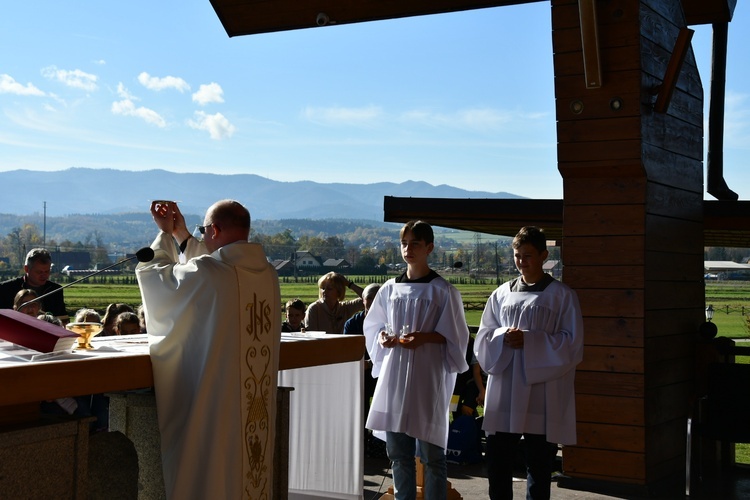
(202, 229)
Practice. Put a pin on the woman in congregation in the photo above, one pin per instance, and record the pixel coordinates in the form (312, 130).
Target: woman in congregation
(330, 312)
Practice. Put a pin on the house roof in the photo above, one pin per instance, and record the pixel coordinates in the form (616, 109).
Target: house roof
(335, 262)
(550, 264)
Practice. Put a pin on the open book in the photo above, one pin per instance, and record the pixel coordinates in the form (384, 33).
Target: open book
(34, 333)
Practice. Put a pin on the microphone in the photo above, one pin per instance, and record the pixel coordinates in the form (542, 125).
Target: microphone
(145, 254)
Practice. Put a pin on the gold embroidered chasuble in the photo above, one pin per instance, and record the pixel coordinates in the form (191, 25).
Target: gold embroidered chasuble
(214, 323)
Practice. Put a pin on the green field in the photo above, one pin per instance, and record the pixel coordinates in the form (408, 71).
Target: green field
(730, 299)
(123, 289)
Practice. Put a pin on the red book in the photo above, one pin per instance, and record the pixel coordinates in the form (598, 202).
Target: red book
(34, 333)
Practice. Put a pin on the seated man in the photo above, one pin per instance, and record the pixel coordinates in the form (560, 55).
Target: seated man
(37, 269)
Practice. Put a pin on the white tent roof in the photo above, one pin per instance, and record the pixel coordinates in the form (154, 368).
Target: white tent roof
(724, 265)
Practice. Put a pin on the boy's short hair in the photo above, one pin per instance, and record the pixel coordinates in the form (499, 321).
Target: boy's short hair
(420, 229)
(531, 235)
(370, 291)
(296, 304)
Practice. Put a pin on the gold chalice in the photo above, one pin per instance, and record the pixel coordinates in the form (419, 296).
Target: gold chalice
(85, 331)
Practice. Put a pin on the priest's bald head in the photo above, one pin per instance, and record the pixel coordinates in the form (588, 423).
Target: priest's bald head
(226, 221)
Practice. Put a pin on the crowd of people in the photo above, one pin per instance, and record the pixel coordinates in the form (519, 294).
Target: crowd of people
(520, 366)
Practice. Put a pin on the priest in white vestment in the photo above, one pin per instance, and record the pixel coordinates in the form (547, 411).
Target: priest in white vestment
(529, 342)
(416, 372)
(214, 321)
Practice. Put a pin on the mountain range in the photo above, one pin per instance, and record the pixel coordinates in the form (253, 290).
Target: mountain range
(107, 191)
(86, 205)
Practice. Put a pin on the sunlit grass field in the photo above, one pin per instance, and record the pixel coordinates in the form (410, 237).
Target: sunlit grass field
(730, 299)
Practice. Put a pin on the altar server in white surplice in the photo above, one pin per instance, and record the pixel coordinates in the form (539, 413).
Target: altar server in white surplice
(529, 341)
(214, 324)
(416, 372)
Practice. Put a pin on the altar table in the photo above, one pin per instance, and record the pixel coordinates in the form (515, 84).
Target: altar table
(326, 413)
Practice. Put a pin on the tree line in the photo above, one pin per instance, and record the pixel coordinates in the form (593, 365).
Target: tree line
(368, 248)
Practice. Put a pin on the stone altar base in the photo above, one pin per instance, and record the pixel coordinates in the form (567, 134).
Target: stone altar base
(47, 458)
(134, 415)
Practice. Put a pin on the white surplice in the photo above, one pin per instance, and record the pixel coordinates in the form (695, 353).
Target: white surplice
(531, 389)
(414, 386)
(214, 324)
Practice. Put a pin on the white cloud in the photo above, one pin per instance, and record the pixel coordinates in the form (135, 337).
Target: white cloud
(76, 78)
(158, 84)
(8, 85)
(100, 62)
(124, 93)
(126, 107)
(209, 93)
(217, 125)
(474, 118)
(335, 115)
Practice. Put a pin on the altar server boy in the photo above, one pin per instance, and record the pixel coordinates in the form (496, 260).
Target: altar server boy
(417, 340)
(529, 341)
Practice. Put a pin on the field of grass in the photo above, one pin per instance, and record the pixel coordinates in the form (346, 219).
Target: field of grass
(124, 289)
(730, 299)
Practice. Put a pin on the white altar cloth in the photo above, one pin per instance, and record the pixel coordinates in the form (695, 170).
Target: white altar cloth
(326, 431)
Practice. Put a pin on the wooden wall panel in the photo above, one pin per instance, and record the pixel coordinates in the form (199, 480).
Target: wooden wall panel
(573, 87)
(676, 169)
(666, 441)
(673, 295)
(620, 466)
(605, 277)
(611, 303)
(599, 409)
(608, 191)
(683, 133)
(667, 347)
(669, 234)
(674, 266)
(604, 220)
(612, 359)
(668, 403)
(594, 151)
(617, 331)
(594, 105)
(612, 437)
(665, 320)
(669, 371)
(629, 385)
(613, 250)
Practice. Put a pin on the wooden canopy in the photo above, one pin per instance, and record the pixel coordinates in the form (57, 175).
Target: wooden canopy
(725, 223)
(248, 17)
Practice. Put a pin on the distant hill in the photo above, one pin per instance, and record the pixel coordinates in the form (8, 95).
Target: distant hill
(83, 205)
(107, 191)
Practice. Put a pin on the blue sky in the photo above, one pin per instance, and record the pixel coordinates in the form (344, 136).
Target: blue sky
(464, 99)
